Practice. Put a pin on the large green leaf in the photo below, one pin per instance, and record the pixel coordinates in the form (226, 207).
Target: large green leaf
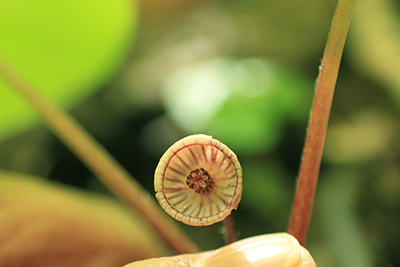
(64, 48)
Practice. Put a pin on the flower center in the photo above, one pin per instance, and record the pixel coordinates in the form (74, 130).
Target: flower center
(199, 180)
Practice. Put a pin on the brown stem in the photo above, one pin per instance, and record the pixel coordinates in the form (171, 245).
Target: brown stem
(230, 233)
(102, 164)
(312, 153)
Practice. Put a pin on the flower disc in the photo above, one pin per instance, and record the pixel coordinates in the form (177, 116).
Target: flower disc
(198, 180)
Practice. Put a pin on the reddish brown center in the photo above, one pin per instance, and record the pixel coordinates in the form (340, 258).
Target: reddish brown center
(199, 180)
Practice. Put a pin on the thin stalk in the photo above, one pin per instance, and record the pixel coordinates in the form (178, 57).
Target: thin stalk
(102, 164)
(230, 231)
(318, 123)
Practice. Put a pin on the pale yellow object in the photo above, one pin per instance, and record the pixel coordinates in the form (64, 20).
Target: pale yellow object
(272, 250)
(47, 224)
(206, 202)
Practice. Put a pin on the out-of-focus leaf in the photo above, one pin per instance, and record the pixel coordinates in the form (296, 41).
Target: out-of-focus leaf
(337, 198)
(374, 42)
(64, 48)
(243, 102)
(367, 135)
(266, 192)
(293, 31)
(46, 224)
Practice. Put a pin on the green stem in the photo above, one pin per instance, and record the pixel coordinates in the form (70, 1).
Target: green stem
(102, 164)
(312, 152)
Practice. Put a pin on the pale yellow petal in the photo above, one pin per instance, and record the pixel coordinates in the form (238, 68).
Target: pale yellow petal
(272, 250)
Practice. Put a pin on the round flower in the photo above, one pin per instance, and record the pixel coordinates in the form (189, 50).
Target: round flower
(198, 180)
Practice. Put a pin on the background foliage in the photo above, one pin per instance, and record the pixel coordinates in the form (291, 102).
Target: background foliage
(242, 71)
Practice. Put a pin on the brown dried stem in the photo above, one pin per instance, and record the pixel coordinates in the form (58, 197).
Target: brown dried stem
(230, 230)
(312, 153)
(102, 164)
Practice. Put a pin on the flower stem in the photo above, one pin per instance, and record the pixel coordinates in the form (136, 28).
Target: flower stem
(318, 123)
(102, 164)
(230, 231)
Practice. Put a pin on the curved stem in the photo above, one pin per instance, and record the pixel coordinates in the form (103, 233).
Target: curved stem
(102, 164)
(312, 152)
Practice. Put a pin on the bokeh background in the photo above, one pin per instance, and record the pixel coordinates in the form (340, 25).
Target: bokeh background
(141, 75)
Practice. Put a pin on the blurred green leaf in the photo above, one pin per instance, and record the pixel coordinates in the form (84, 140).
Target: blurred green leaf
(374, 43)
(338, 195)
(266, 192)
(65, 49)
(242, 102)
